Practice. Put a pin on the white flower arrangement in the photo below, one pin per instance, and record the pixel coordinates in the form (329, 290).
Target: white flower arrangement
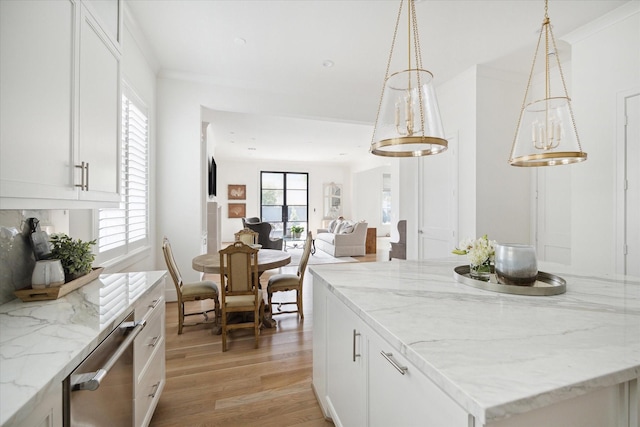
(480, 250)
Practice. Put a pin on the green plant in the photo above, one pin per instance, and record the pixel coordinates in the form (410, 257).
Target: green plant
(297, 229)
(75, 255)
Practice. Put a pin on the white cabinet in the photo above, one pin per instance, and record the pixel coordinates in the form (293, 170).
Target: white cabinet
(46, 413)
(149, 356)
(365, 388)
(59, 79)
(36, 81)
(346, 366)
(99, 105)
(401, 395)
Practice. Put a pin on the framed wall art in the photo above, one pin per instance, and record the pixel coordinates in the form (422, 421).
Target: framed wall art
(237, 192)
(237, 210)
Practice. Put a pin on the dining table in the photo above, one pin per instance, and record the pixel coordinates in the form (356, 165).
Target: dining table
(267, 259)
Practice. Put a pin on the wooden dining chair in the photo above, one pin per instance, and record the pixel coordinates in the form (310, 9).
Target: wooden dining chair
(291, 282)
(239, 289)
(246, 236)
(196, 291)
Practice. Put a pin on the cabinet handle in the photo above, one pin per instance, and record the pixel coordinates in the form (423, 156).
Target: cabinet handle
(355, 334)
(86, 182)
(154, 303)
(154, 341)
(155, 389)
(389, 357)
(84, 176)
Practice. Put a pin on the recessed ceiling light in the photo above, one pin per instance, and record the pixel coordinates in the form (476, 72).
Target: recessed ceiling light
(327, 63)
(239, 41)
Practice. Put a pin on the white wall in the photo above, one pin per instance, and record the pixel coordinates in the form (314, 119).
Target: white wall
(248, 173)
(605, 62)
(367, 198)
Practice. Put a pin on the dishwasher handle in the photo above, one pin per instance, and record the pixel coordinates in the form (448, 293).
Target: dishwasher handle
(91, 380)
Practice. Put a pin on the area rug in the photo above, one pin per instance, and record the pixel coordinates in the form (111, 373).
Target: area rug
(319, 257)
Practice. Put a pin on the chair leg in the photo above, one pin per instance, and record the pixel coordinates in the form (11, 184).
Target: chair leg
(180, 316)
(224, 332)
(269, 295)
(299, 299)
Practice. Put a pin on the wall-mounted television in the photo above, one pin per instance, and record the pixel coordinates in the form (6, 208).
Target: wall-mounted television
(212, 177)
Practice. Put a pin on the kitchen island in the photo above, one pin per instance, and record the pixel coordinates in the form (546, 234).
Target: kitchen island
(42, 342)
(463, 356)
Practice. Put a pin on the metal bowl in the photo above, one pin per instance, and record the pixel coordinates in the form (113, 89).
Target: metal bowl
(516, 264)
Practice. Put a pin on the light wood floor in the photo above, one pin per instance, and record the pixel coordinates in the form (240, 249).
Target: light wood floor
(269, 386)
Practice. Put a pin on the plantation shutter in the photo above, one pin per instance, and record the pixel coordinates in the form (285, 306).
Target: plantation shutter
(122, 230)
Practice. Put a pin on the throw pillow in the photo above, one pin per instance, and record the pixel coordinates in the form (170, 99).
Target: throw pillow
(348, 228)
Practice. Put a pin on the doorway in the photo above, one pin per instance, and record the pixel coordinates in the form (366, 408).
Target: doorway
(284, 201)
(438, 203)
(628, 184)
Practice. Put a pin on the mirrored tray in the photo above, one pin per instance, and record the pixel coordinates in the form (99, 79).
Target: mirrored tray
(545, 285)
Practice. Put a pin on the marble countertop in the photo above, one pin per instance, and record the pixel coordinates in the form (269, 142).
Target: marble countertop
(42, 342)
(497, 354)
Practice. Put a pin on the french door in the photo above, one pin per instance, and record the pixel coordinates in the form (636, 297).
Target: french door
(284, 200)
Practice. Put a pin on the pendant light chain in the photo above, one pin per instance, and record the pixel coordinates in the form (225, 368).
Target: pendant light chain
(386, 73)
(526, 93)
(418, 54)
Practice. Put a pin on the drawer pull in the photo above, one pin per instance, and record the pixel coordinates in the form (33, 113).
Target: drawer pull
(154, 341)
(355, 334)
(154, 303)
(155, 389)
(389, 357)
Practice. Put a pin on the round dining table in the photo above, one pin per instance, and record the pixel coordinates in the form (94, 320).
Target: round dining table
(267, 259)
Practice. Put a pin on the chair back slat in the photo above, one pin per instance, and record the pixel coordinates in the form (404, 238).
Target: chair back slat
(239, 269)
(171, 263)
(305, 254)
(246, 236)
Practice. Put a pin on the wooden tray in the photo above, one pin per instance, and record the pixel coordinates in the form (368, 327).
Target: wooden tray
(30, 294)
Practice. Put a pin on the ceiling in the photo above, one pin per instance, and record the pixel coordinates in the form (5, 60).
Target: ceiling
(279, 49)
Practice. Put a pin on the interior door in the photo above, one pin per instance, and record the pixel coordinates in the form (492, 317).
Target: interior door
(438, 203)
(632, 193)
(553, 214)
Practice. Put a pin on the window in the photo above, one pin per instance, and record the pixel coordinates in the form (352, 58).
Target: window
(122, 230)
(284, 200)
(386, 198)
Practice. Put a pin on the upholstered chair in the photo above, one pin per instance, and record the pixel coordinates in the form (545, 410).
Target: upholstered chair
(186, 292)
(399, 248)
(291, 282)
(264, 235)
(239, 289)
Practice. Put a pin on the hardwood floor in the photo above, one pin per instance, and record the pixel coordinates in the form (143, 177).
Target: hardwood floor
(269, 386)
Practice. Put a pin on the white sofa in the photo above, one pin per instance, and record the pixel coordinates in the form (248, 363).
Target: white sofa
(342, 238)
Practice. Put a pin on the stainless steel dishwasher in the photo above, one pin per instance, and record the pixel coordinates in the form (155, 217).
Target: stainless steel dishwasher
(99, 392)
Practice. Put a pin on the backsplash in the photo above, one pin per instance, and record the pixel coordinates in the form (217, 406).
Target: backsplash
(16, 256)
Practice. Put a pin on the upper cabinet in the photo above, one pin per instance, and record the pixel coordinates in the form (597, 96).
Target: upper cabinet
(59, 105)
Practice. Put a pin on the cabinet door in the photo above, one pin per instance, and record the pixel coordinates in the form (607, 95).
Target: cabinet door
(401, 395)
(99, 112)
(36, 106)
(346, 365)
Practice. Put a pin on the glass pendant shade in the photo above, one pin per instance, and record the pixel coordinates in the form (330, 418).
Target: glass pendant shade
(547, 135)
(409, 121)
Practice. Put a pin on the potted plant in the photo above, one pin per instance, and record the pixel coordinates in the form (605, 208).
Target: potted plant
(75, 255)
(296, 230)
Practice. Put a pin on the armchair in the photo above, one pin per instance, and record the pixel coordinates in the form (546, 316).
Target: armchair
(399, 248)
(264, 233)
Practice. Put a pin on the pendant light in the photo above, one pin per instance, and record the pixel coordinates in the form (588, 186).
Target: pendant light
(408, 121)
(546, 133)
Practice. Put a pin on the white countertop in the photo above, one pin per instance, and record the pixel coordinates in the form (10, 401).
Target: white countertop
(497, 354)
(42, 342)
